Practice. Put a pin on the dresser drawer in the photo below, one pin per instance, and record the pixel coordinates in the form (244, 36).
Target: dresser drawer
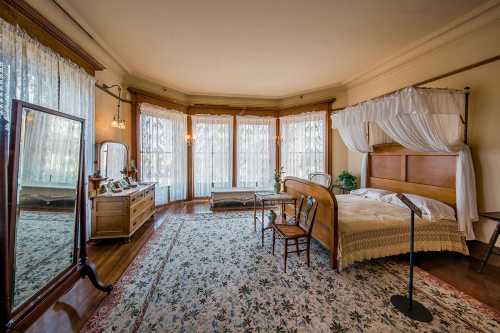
(136, 197)
(139, 206)
(112, 207)
(145, 214)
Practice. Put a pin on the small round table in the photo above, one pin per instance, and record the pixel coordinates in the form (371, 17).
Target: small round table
(270, 198)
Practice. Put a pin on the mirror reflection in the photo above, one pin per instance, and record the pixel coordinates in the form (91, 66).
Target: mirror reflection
(113, 160)
(48, 174)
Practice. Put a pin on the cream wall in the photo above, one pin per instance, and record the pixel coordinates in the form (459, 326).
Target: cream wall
(106, 107)
(484, 139)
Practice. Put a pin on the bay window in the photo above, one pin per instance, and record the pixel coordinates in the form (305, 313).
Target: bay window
(163, 151)
(256, 151)
(303, 143)
(212, 153)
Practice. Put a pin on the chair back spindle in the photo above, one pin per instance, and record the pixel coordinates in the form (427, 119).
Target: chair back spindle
(308, 214)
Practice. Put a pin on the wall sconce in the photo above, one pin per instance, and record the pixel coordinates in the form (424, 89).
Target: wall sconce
(117, 122)
(189, 140)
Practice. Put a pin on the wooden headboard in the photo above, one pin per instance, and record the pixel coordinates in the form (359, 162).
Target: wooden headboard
(395, 168)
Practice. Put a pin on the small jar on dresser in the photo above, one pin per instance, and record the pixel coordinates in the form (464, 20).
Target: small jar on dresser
(119, 215)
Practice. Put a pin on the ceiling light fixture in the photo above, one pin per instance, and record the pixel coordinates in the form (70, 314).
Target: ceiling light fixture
(117, 122)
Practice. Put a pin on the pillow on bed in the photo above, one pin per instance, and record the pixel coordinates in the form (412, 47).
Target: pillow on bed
(371, 193)
(431, 209)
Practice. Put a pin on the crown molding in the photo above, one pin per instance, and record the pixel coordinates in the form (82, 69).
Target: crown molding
(459, 27)
(38, 26)
(82, 25)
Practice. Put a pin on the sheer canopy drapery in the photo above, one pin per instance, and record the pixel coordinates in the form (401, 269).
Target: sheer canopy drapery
(303, 143)
(212, 153)
(256, 148)
(421, 119)
(32, 72)
(163, 151)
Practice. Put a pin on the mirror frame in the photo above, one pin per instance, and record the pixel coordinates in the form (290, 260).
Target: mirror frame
(31, 308)
(98, 155)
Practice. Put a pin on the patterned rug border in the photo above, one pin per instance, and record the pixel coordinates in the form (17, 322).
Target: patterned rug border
(104, 308)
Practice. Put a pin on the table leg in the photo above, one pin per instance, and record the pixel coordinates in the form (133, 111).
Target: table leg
(493, 240)
(262, 222)
(254, 212)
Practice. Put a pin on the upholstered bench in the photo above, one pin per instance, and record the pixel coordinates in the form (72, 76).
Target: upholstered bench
(234, 197)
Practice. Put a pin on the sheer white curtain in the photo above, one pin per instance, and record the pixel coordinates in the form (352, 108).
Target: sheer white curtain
(163, 151)
(256, 147)
(303, 143)
(47, 162)
(31, 72)
(355, 137)
(424, 120)
(212, 153)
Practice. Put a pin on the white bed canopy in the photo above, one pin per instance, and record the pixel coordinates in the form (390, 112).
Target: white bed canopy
(419, 119)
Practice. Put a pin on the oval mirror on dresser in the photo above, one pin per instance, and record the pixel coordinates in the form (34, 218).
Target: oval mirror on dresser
(113, 159)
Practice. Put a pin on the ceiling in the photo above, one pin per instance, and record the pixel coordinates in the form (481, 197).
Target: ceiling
(260, 48)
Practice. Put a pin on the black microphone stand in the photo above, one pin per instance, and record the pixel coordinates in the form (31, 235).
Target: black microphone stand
(406, 304)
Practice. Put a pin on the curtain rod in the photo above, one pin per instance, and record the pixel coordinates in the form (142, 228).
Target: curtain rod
(435, 78)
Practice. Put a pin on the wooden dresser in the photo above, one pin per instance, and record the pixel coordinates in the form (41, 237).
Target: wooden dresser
(119, 215)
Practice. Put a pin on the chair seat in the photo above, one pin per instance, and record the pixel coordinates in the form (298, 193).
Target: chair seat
(290, 230)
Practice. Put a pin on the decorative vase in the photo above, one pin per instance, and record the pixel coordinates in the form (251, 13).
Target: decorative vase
(277, 187)
(272, 216)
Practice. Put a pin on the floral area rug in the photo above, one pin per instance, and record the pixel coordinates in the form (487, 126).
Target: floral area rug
(208, 273)
(44, 248)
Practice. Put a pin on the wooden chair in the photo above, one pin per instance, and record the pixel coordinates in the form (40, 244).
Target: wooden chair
(300, 231)
(298, 207)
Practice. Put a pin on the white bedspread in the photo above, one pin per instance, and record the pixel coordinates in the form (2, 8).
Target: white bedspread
(373, 229)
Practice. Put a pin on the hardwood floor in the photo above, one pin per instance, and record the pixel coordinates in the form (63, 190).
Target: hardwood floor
(73, 309)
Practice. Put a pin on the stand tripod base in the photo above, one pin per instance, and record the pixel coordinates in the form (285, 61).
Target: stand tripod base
(416, 312)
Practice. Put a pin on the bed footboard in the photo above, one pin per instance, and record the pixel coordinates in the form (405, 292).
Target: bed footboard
(325, 228)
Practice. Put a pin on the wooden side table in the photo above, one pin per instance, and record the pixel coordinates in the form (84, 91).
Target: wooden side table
(496, 217)
(268, 198)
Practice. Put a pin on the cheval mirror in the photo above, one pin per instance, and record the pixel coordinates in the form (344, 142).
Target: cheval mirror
(113, 159)
(43, 224)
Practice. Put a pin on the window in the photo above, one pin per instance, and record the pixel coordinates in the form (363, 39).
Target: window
(163, 151)
(212, 153)
(256, 142)
(303, 144)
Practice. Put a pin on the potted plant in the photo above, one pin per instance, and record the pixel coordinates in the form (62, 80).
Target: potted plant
(347, 180)
(278, 173)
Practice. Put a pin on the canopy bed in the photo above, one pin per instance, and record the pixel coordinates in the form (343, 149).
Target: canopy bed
(427, 157)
